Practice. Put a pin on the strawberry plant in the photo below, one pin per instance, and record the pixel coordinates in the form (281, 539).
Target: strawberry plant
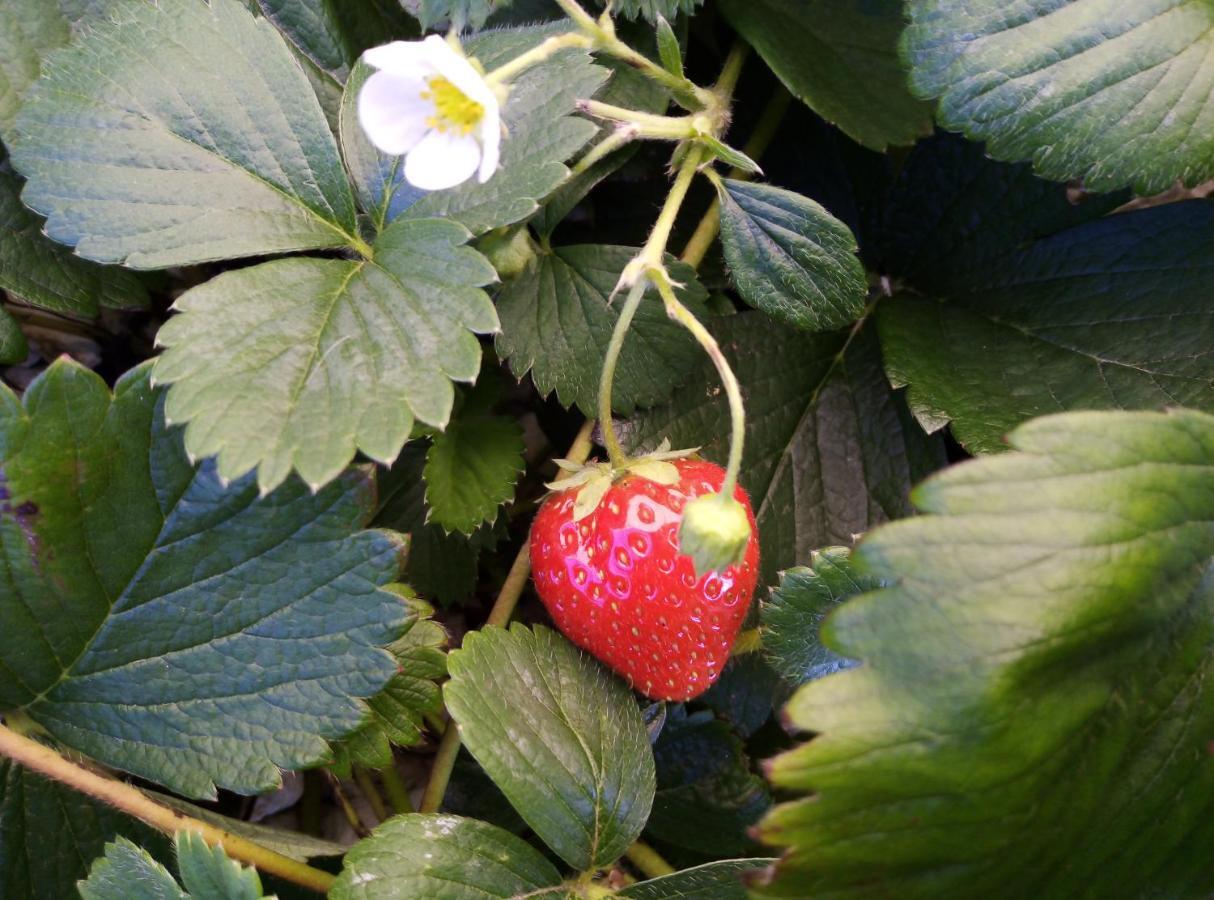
(343, 547)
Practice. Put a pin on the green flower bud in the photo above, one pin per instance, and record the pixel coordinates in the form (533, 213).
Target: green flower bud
(714, 533)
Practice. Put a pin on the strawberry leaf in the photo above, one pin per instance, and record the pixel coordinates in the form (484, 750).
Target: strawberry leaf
(13, 348)
(720, 880)
(1033, 711)
(110, 535)
(333, 35)
(140, 153)
(841, 58)
(1109, 93)
(299, 363)
(442, 857)
(789, 257)
(830, 450)
(559, 735)
(557, 319)
(471, 470)
(127, 872)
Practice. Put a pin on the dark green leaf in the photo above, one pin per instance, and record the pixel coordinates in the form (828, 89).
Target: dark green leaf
(13, 348)
(299, 363)
(110, 535)
(707, 796)
(142, 152)
(830, 450)
(471, 470)
(669, 50)
(127, 872)
(440, 857)
(1114, 313)
(744, 694)
(713, 881)
(560, 736)
(459, 14)
(841, 58)
(334, 33)
(1112, 93)
(651, 9)
(49, 275)
(792, 619)
(50, 833)
(789, 257)
(1033, 713)
(557, 319)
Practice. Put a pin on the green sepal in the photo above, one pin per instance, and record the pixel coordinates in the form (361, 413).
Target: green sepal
(715, 532)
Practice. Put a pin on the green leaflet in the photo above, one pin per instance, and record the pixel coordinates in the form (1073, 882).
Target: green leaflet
(50, 833)
(127, 872)
(559, 735)
(1111, 93)
(792, 618)
(471, 470)
(177, 133)
(110, 534)
(830, 450)
(441, 857)
(651, 9)
(839, 57)
(299, 363)
(557, 319)
(789, 257)
(1032, 713)
(720, 880)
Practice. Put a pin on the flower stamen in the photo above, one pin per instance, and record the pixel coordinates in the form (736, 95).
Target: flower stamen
(453, 109)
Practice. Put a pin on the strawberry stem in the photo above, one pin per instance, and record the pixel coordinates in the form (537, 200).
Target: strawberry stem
(610, 440)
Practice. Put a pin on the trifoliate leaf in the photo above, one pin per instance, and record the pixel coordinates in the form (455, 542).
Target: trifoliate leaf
(720, 880)
(299, 363)
(442, 857)
(398, 711)
(1111, 93)
(789, 257)
(332, 35)
(49, 275)
(50, 833)
(830, 450)
(471, 470)
(557, 319)
(127, 872)
(187, 631)
(141, 152)
(792, 618)
(651, 9)
(841, 58)
(560, 736)
(1114, 313)
(707, 795)
(1032, 714)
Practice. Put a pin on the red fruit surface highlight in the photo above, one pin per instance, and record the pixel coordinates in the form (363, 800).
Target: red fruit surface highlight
(616, 584)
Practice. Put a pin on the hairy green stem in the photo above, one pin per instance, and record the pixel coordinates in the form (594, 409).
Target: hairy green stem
(648, 860)
(611, 441)
(537, 54)
(45, 761)
(503, 609)
(398, 795)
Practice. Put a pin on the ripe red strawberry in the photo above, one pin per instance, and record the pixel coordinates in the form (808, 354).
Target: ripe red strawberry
(616, 584)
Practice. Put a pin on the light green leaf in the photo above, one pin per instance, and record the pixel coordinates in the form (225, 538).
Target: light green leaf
(669, 50)
(540, 135)
(1033, 711)
(299, 363)
(334, 33)
(841, 58)
(28, 29)
(720, 880)
(442, 857)
(49, 275)
(792, 618)
(651, 9)
(471, 470)
(560, 736)
(13, 348)
(789, 257)
(1110, 314)
(163, 623)
(707, 795)
(557, 319)
(730, 155)
(141, 152)
(1111, 93)
(50, 833)
(830, 450)
(398, 711)
(127, 872)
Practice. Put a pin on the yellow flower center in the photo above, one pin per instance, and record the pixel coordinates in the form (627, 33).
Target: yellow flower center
(452, 107)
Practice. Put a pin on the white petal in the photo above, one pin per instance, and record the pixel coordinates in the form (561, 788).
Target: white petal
(455, 68)
(392, 112)
(409, 59)
(491, 143)
(442, 160)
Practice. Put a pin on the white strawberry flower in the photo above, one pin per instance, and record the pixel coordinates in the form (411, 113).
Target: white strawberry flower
(427, 102)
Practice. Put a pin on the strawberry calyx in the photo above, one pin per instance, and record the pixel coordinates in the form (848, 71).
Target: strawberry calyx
(714, 532)
(596, 478)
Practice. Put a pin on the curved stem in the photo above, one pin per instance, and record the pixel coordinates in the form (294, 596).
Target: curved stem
(503, 73)
(648, 860)
(503, 609)
(45, 761)
(737, 411)
(611, 441)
